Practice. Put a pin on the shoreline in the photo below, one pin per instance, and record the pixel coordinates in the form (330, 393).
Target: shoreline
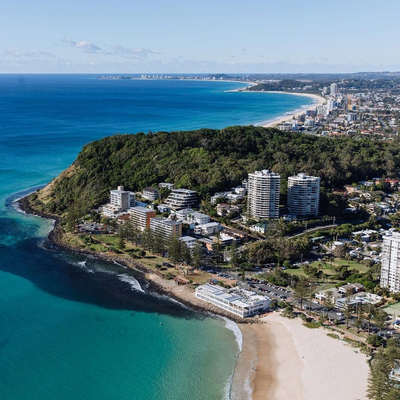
(157, 283)
(317, 102)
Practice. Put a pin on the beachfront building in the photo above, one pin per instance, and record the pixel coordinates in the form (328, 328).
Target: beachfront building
(263, 194)
(141, 216)
(181, 198)
(166, 227)
(303, 195)
(390, 270)
(150, 193)
(242, 303)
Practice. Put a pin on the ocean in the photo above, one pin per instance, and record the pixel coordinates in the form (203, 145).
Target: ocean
(73, 327)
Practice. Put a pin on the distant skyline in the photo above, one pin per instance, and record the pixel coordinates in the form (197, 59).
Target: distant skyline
(176, 36)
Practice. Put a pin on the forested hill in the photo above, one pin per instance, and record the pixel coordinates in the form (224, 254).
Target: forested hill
(209, 160)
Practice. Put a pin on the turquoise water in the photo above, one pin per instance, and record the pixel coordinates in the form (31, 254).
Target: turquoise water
(77, 328)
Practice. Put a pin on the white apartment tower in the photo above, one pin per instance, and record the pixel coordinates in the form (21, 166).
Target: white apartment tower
(120, 198)
(303, 195)
(334, 89)
(263, 194)
(390, 270)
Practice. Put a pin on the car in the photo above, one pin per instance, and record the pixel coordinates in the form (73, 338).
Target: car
(165, 264)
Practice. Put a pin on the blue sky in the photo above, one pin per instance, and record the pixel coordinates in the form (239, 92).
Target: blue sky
(134, 36)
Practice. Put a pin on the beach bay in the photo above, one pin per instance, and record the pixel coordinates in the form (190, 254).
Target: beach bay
(76, 328)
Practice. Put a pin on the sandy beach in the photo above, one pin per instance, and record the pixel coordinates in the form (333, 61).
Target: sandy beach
(318, 101)
(289, 361)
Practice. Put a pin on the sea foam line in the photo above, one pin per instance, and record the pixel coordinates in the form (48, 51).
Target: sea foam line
(135, 285)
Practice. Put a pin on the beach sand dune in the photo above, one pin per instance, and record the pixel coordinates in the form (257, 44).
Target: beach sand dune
(297, 363)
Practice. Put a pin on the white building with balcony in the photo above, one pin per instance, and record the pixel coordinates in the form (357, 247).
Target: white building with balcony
(390, 269)
(263, 194)
(303, 194)
(181, 198)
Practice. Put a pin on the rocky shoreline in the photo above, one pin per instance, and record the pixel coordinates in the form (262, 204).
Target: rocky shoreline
(155, 280)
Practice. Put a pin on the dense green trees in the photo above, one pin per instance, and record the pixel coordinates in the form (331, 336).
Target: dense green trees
(380, 386)
(208, 160)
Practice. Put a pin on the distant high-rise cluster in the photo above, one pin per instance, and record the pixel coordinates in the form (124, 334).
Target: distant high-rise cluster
(263, 195)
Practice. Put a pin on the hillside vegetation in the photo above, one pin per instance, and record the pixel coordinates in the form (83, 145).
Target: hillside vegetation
(209, 160)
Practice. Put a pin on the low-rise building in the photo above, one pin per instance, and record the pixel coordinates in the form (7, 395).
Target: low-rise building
(166, 226)
(226, 209)
(191, 216)
(242, 303)
(166, 185)
(189, 241)
(351, 287)
(150, 193)
(181, 198)
(141, 217)
(207, 229)
(328, 295)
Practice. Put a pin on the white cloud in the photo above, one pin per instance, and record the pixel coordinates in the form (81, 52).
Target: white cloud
(88, 47)
(14, 55)
(138, 53)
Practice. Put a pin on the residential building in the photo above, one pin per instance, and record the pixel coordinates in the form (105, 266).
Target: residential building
(166, 226)
(351, 287)
(181, 198)
(132, 199)
(199, 218)
(351, 117)
(303, 195)
(150, 193)
(166, 185)
(191, 216)
(390, 270)
(120, 198)
(263, 194)
(242, 303)
(189, 241)
(334, 89)
(207, 229)
(120, 201)
(226, 209)
(141, 216)
(111, 211)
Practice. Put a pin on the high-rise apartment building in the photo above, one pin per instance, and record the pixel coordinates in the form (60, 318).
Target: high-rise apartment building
(303, 195)
(390, 269)
(334, 89)
(120, 198)
(263, 194)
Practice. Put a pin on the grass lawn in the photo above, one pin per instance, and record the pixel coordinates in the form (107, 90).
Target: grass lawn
(328, 268)
(295, 271)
